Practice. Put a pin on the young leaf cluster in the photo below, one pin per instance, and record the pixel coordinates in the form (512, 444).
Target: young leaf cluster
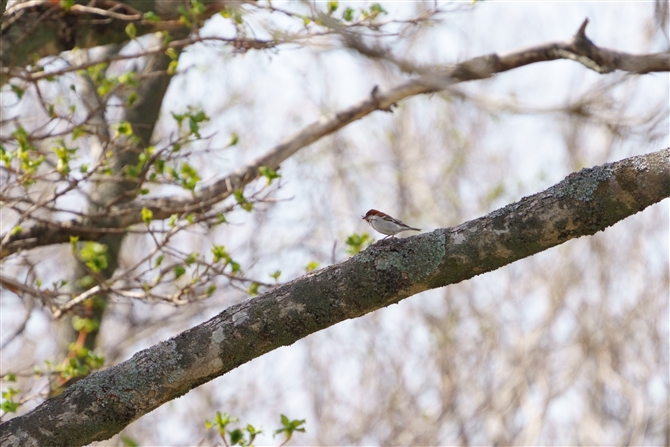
(245, 436)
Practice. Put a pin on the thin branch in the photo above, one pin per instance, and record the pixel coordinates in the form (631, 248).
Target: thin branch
(15, 286)
(29, 310)
(244, 43)
(579, 49)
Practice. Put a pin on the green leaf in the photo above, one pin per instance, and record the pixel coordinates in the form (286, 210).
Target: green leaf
(253, 432)
(332, 6)
(73, 243)
(189, 176)
(268, 173)
(97, 72)
(197, 7)
(178, 118)
(129, 78)
(194, 127)
(9, 406)
(9, 377)
(179, 271)
(236, 436)
(167, 38)
(123, 128)
(219, 252)
(147, 215)
(107, 85)
(94, 255)
(132, 171)
(128, 442)
(77, 132)
(253, 289)
(66, 4)
(131, 31)
(16, 230)
(184, 20)
(172, 172)
(132, 97)
(18, 91)
(290, 426)
(230, 13)
(275, 275)
(220, 422)
(85, 324)
(348, 14)
(94, 361)
(234, 266)
(234, 139)
(159, 261)
(313, 265)
(64, 155)
(376, 9)
(239, 197)
(172, 68)
(190, 259)
(172, 54)
(357, 242)
(9, 393)
(151, 16)
(85, 282)
(194, 120)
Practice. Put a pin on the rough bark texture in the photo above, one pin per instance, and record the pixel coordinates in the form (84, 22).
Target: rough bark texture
(102, 404)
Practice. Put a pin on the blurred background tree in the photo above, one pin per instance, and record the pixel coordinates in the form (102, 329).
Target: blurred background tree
(112, 105)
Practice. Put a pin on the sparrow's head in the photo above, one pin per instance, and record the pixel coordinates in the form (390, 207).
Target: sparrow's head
(372, 213)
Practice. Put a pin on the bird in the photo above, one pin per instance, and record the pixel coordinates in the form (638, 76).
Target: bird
(386, 224)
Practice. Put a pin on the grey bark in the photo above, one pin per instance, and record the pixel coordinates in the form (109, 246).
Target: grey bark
(103, 403)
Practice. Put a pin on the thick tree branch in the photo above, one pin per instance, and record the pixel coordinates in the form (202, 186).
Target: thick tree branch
(580, 48)
(102, 404)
